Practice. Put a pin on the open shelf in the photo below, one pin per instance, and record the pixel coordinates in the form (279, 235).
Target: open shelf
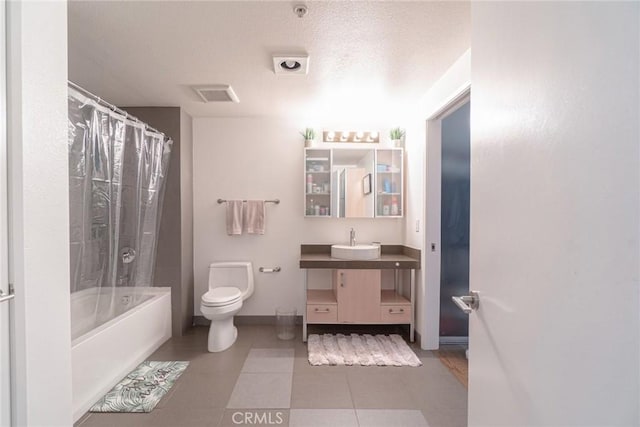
(321, 296)
(391, 297)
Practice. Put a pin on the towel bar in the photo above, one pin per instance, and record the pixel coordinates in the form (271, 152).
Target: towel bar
(276, 201)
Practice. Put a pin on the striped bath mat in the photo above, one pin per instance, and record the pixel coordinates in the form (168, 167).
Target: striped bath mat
(365, 350)
(142, 389)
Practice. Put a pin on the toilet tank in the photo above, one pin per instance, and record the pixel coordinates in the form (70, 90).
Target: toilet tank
(238, 274)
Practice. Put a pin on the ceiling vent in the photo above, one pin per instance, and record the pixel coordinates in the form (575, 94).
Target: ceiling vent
(216, 93)
(291, 64)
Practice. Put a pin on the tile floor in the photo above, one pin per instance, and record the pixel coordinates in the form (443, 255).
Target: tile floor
(262, 381)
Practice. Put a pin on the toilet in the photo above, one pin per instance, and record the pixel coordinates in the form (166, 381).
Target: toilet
(230, 283)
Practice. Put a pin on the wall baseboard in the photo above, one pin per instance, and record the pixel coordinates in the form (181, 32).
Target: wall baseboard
(244, 320)
(454, 340)
(418, 338)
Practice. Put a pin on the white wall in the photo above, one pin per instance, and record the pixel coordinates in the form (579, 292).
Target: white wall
(447, 89)
(555, 224)
(186, 217)
(37, 107)
(251, 158)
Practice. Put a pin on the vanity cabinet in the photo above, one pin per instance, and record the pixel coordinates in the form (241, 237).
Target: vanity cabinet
(357, 297)
(354, 292)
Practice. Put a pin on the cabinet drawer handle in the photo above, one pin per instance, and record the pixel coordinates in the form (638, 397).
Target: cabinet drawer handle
(326, 310)
(396, 312)
(342, 279)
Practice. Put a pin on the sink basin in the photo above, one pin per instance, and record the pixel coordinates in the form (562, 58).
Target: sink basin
(357, 252)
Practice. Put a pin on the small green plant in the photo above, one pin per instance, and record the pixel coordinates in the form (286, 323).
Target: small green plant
(309, 134)
(396, 133)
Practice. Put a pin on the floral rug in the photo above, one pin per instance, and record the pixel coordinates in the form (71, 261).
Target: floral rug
(142, 389)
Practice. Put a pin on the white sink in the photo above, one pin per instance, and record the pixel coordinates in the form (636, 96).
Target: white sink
(357, 252)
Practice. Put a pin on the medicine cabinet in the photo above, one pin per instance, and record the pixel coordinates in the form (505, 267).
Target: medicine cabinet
(353, 182)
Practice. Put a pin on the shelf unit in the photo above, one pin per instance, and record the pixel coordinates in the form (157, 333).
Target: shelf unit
(317, 178)
(389, 182)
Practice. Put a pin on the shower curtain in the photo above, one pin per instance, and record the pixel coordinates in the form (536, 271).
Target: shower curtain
(117, 170)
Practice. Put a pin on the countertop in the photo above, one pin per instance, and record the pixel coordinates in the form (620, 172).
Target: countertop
(393, 256)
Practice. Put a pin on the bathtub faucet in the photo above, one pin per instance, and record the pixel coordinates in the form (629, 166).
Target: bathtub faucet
(128, 255)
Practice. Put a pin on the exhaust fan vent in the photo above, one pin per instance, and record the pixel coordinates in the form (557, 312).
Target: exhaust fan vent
(216, 93)
(291, 64)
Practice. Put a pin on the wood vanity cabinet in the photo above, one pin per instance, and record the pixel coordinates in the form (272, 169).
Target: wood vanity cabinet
(357, 297)
(359, 292)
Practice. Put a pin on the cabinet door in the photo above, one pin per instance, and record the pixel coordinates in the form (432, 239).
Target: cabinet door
(389, 181)
(317, 176)
(358, 294)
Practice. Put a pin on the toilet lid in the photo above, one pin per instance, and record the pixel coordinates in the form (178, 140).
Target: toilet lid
(221, 296)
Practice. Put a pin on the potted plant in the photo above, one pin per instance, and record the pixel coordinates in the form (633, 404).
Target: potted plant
(309, 135)
(396, 135)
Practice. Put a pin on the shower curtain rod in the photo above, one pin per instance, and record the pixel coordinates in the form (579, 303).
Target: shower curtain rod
(116, 109)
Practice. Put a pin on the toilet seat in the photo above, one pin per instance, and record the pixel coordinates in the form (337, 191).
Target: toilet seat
(221, 296)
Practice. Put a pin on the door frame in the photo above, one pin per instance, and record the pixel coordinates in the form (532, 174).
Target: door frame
(6, 356)
(433, 208)
(432, 213)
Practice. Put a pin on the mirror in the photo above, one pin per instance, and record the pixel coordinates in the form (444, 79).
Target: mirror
(352, 180)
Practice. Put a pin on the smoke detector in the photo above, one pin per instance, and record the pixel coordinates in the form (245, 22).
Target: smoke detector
(291, 64)
(216, 93)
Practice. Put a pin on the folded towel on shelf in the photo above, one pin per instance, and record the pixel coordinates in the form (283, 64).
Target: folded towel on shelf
(234, 217)
(254, 217)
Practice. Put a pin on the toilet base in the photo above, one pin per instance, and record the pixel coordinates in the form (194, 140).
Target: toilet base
(222, 335)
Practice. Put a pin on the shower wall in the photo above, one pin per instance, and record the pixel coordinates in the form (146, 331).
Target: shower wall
(174, 266)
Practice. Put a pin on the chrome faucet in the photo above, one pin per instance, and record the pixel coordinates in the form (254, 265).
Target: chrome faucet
(352, 237)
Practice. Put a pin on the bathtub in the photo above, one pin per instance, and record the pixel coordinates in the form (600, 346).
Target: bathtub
(103, 352)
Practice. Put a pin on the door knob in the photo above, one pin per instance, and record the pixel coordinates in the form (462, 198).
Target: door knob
(468, 303)
(8, 296)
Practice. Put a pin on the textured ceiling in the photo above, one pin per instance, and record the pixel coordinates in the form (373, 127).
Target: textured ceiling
(366, 58)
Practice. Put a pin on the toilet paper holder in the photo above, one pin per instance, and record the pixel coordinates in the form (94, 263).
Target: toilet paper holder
(269, 270)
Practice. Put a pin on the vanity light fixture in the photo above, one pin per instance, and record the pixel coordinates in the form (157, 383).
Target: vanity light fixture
(291, 64)
(350, 136)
